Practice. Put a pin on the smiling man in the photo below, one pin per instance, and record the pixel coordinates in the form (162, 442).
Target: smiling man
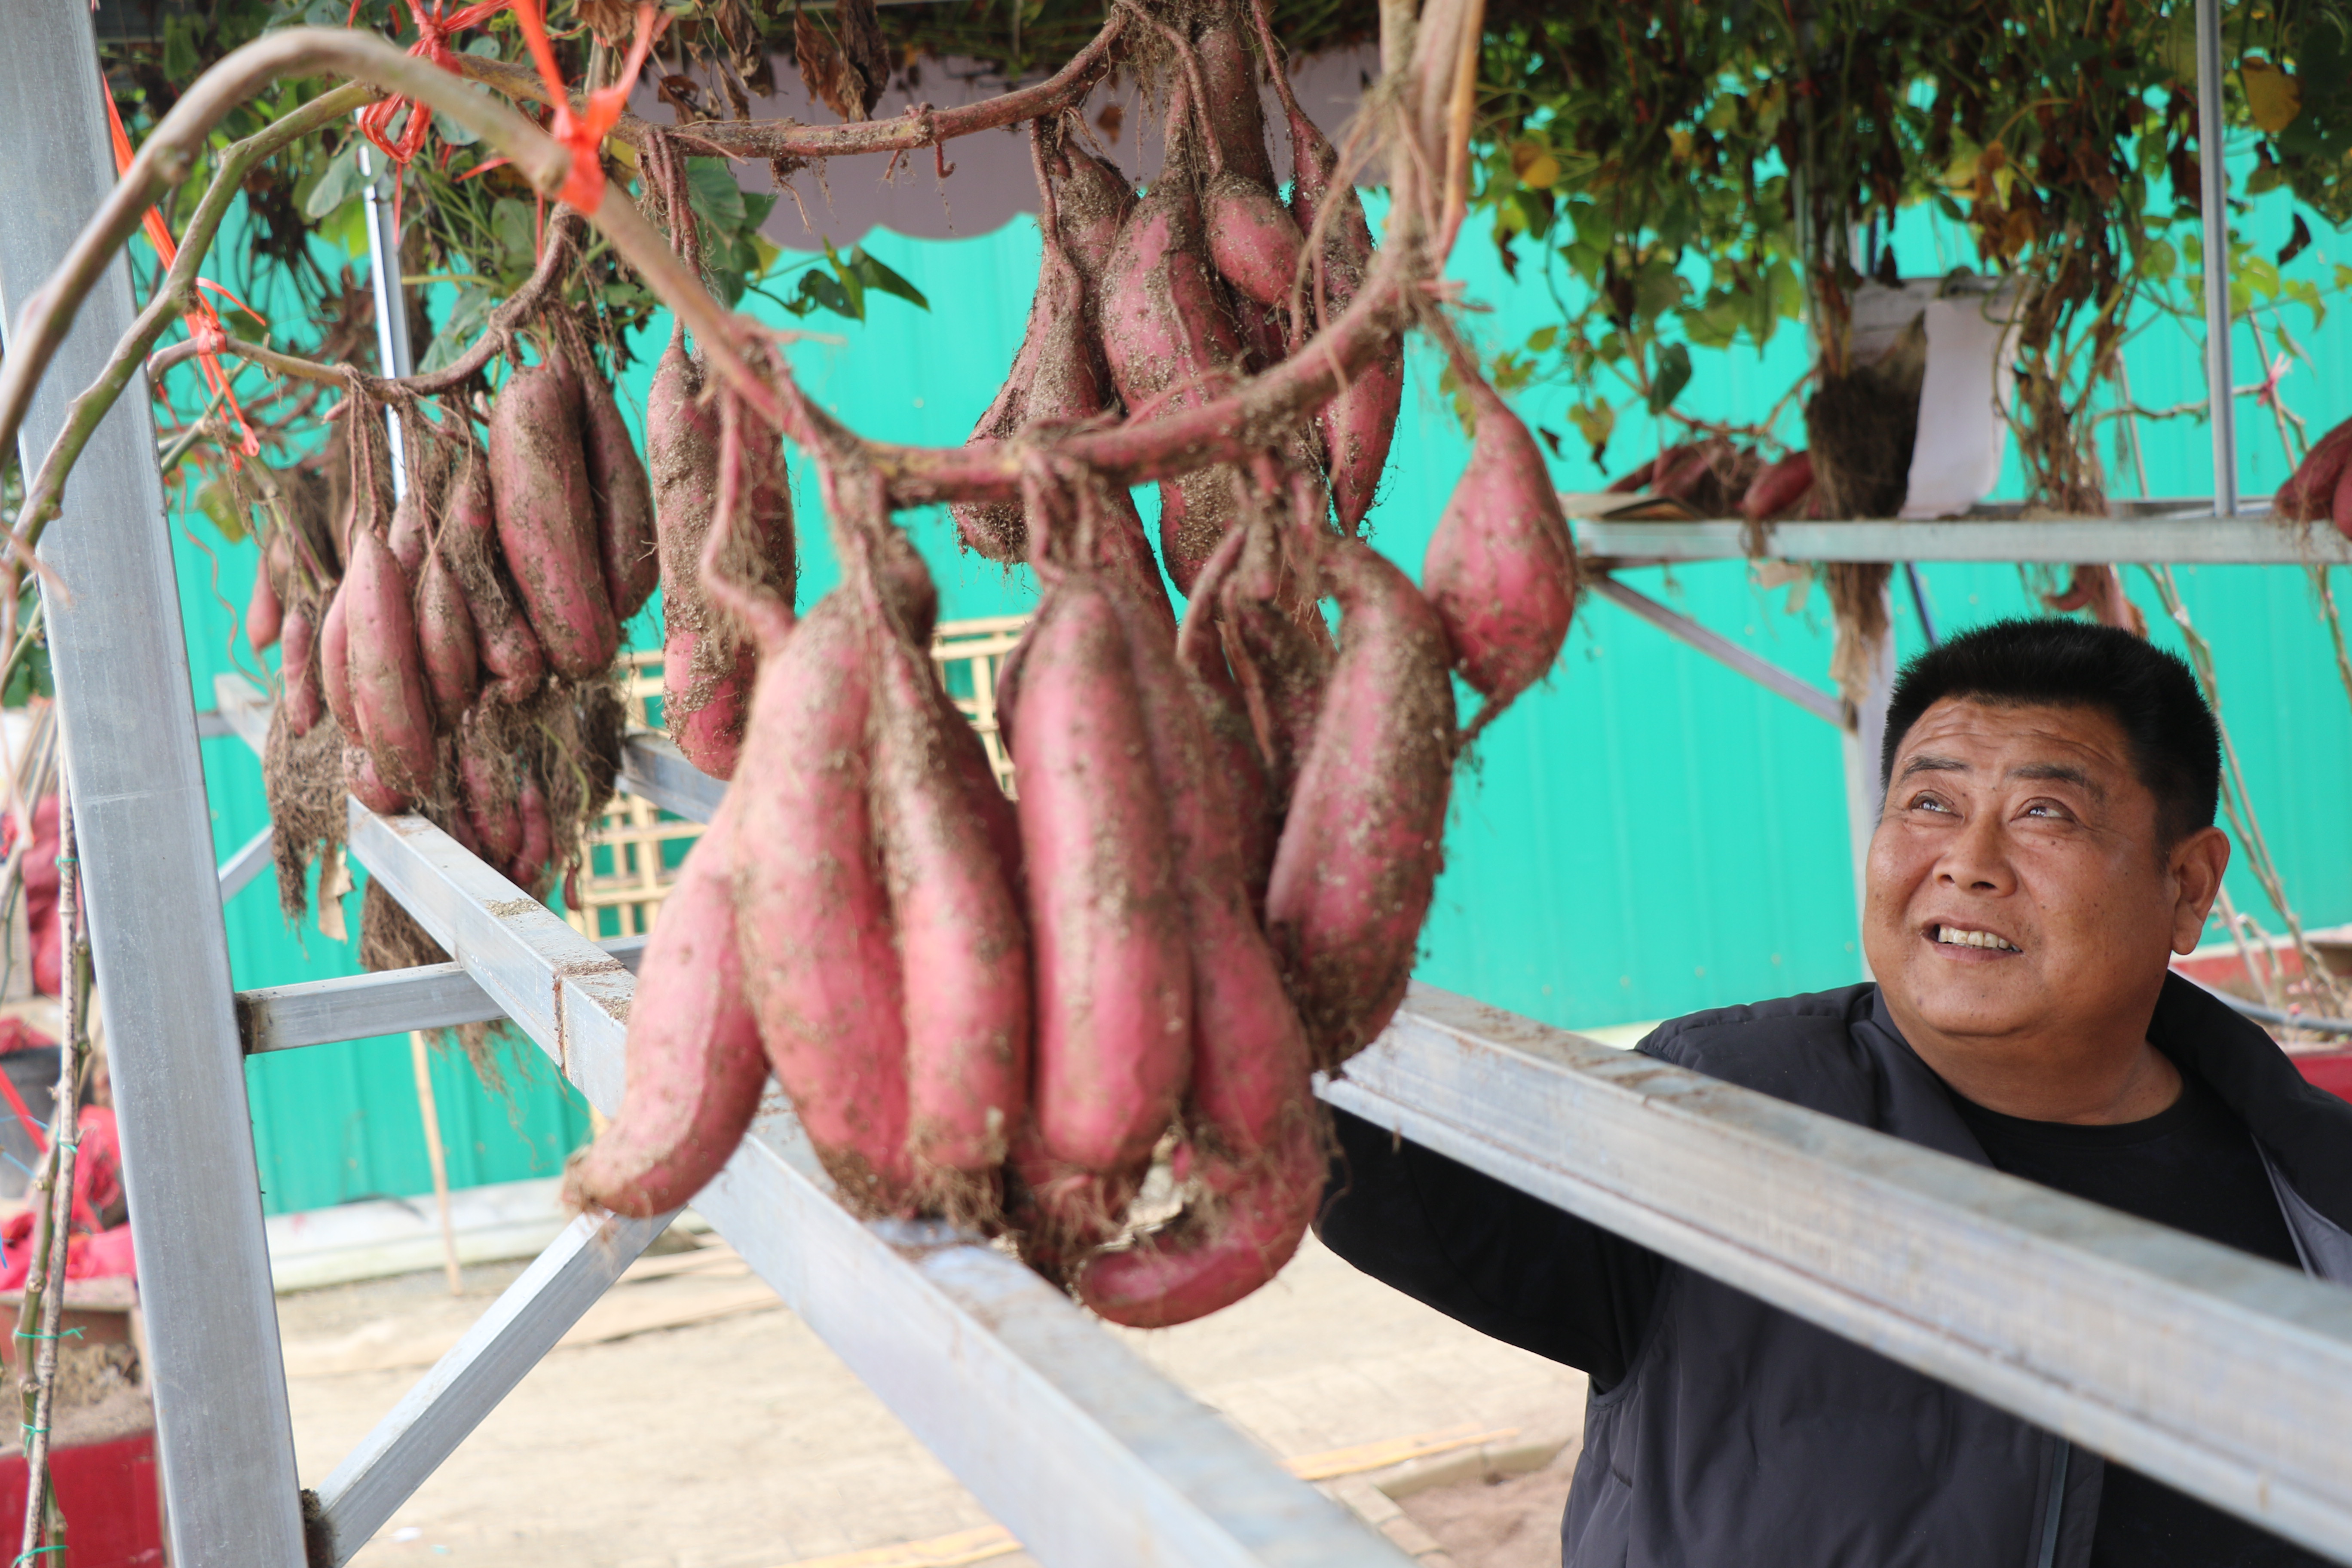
(2046, 845)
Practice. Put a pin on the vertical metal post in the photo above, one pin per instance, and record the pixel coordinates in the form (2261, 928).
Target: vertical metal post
(1864, 735)
(2213, 200)
(392, 346)
(130, 736)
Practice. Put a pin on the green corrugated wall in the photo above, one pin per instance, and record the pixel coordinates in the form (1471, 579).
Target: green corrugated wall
(1647, 834)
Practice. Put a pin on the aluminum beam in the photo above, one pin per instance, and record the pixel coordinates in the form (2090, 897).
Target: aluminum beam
(2213, 192)
(120, 655)
(1722, 649)
(482, 1368)
(361, 1006)
(245, 864)
(654, 768)
(2073, 1316)
(2202, 541)
(1067, 1438)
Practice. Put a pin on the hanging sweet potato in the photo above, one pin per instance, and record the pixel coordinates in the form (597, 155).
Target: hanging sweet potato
(547, 522)
(1365, 836)
(1500, 569)
(813, 909)
(1105, 917)
(694, 1067)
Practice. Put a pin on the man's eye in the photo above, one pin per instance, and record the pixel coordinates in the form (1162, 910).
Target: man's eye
(1930, 802)
(2048, 808)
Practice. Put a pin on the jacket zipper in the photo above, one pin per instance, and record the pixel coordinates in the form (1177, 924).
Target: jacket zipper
(2055, 1512)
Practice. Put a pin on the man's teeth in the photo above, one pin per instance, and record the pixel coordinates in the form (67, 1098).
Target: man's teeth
(1958, 938)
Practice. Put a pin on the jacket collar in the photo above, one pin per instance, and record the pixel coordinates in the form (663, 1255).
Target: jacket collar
(2304, 1132)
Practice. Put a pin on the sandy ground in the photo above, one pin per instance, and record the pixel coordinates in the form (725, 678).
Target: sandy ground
(691, 1422)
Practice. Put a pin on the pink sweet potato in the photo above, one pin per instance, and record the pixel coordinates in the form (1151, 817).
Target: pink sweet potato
(1057, 376)
(1106, 915)
(335, 663)
(625, 499)
(1236, 755)
(448, 641)
(1280, 665)
(1251, 1134)
(533, 862)
(813, 910)
(1236, 117)
(389, 695)
(707, 665)
(1170, 343)
(1237, 1235)
(485, 787)
(1780, 488)
(1091, 199)
(2340, 511)
(407, 535)
(547, 523)
(1500, 570)
(1253, 242)
(508, 654)
(265, 614)
(367, 786)
(962, 946)
(695, 1069)
(2309, 492)
(1365, 836)
(299, 664)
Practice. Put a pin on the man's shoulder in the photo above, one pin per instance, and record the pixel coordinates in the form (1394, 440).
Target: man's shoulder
(1799, 1049)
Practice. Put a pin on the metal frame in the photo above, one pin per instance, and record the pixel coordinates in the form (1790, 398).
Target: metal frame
(116, 644)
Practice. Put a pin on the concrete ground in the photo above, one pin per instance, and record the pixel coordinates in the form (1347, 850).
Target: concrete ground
(691, 1422)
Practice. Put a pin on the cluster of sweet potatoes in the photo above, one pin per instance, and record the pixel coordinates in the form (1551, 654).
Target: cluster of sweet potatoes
(1226, 835)
(459, 642)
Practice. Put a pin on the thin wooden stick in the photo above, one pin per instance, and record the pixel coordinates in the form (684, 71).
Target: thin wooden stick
(45, 1283)
(420, 1056)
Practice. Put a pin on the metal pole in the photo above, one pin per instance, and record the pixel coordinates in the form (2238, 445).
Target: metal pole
(1862, 740)
(2214, 195)
(392, 346)
(116, 643)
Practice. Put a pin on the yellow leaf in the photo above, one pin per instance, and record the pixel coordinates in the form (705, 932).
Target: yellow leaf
(2273, 97)
(1678, 142)
(1535, 165)
(1962, 174)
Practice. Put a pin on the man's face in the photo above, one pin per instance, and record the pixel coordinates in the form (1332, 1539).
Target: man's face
(2016, 890)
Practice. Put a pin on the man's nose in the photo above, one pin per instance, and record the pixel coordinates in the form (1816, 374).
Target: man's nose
(1976, 859)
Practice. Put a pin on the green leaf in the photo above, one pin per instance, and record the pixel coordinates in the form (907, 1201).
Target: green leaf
(339, 184)
(1541, 340)
(216, 502)
(1673, 374)
(873, 274)
(467, 316)
(717, 199)
(2157, 260)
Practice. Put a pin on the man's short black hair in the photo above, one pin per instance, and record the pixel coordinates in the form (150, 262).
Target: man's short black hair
(2176, 747)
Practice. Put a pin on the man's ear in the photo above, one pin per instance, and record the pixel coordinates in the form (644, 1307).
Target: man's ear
(2196, 863)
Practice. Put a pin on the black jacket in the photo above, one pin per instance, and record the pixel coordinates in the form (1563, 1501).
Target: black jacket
(1722, 1430)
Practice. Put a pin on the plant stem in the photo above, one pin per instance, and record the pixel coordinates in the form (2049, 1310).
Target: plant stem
(47, 1300)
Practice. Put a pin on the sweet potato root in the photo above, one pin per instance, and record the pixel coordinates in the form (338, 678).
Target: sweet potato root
(335, 663)
(298, 666)
(1500, 570)
(507, 652)
(389, 695)
(1780, 488)
(1169, 343)
(486, 788)
(265, 613)
(446, 639)
(2309, 492)
(547, 522)
(695, 1068)
(963, 948)
(811, 905)
(1365, 836)
(1105, 917)
(625, 500)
